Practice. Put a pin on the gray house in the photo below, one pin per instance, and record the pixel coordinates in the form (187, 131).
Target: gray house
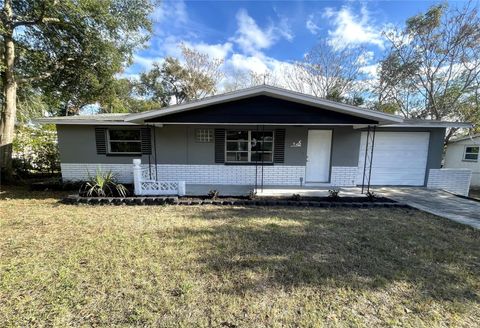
(258, 136)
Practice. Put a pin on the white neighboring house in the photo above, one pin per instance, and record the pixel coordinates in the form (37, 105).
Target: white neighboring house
(464, 153)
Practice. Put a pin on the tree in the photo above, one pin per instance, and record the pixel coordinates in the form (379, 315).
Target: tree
(67, 49)
(174, 81)
(328, 73)
(433, 65)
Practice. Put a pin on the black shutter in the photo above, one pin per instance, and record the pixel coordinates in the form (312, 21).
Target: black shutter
(101, 140)
(279, 146)
(219, 145)
(146, 137)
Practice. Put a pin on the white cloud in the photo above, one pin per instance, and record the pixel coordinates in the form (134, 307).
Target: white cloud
(217, 51)
(351, 29)
(146, 63)
(311, 25)
(371, 71)
(251, 38)
(173, 11)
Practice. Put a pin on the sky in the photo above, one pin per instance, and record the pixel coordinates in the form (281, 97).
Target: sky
(263, 35)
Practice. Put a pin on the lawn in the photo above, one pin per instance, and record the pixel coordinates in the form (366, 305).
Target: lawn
(65, 265)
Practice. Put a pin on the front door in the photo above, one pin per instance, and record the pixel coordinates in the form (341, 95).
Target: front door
(318, 155)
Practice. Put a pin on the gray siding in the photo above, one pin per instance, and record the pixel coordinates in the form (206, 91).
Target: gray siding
(345, 147)
(77, 145)
(176, 144)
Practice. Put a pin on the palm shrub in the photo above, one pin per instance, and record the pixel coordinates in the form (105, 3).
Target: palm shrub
(103, 184)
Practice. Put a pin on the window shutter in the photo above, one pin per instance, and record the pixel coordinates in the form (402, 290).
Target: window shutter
(219, 145)
(146, 138)
(101, 140)
(279, 146)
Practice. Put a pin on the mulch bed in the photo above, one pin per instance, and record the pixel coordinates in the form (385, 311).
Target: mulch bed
(355, 202)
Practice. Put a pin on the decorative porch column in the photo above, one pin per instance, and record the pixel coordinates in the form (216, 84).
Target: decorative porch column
(181, 188)
(137, 176)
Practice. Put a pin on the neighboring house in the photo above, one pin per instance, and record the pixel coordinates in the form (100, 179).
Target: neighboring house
(464, 153)
(261, 135)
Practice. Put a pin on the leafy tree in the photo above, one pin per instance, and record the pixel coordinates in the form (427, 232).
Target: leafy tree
(433, 65)
(36, 149)
(69, 50)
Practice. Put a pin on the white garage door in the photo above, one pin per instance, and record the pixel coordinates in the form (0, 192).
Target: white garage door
(399, 158)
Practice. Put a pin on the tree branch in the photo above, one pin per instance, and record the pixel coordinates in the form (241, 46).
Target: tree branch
(46, 74)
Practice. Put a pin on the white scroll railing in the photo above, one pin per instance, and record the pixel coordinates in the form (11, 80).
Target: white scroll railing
(146, 186)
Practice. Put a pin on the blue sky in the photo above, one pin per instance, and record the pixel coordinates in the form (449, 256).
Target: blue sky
(261, 35)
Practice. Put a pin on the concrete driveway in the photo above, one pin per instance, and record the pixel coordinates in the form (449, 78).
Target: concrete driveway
(438, 202)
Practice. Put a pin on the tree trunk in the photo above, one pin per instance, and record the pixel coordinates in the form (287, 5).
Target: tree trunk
(7, 121)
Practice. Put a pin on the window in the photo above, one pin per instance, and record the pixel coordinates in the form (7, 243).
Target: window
(249, 146)
(124, 141)
(471, 153)
(204, 135)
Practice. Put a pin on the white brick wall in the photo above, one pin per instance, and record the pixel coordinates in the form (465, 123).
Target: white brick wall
(456, 181)
(276, 175)
(195, 174)
(343, 176)
(75, 172)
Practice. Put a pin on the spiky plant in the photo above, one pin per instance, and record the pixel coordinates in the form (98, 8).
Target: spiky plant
(103, 184)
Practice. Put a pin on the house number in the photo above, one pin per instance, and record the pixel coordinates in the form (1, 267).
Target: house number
(296, 144)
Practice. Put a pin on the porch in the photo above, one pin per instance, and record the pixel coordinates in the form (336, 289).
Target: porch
(270, 191)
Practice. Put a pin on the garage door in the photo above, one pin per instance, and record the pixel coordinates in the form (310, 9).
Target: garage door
(399, 158)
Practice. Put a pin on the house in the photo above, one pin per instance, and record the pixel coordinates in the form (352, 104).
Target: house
(257, 136)
(464, 153)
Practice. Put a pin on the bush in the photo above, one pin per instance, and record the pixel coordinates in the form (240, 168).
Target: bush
(296, 197)
(35, 150)
(213, 194)
(252, 195)
(334, 193)
(103, 184)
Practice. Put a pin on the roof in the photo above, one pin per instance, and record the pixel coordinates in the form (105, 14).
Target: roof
(274, 92)
(418, 123)
(464, 138)
(384, 119)
(110, 119)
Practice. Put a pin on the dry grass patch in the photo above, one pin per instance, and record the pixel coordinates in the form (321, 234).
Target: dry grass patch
(232, 266)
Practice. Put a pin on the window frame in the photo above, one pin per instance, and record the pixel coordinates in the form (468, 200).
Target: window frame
(249, 148)
(465, 153)
(209, 134)
(109, 141)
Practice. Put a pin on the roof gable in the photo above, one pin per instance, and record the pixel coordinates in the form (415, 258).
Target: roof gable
(261, 109)
(289, 96)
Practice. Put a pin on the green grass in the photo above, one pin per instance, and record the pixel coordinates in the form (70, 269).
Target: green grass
(66, 265)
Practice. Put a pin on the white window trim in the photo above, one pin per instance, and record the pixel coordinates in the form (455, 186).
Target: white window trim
(465, 153)
(109, 141)
(209, 133)
(249, 142)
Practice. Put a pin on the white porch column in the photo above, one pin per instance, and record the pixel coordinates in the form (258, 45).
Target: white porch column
(137, 176)
(181, 188)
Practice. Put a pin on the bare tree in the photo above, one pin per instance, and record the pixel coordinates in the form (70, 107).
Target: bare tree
(203, 73)
(326, 72)
(433, 66)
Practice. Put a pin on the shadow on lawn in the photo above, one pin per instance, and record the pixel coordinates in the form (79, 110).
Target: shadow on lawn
(339, 248)
(24, 192)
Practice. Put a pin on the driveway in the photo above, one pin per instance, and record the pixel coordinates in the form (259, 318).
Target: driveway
(438, 202)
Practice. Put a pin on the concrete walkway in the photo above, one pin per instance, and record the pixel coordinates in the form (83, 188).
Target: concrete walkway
(438, 202)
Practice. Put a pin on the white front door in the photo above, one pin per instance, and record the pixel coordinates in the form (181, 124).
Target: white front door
(318, 155)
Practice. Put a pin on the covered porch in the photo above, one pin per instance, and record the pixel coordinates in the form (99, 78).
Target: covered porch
(271, 191)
